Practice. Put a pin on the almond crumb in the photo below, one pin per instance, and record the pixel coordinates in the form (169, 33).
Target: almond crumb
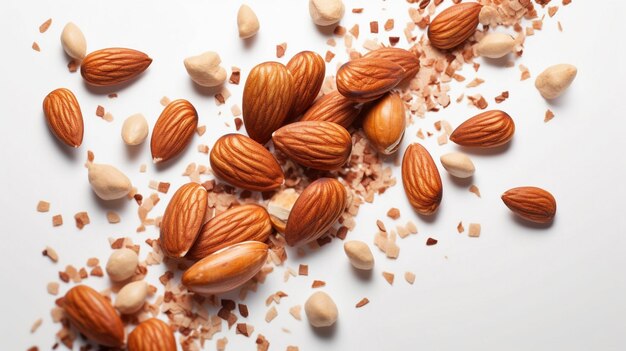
(549, 115)
(303, 270)
(82, 219)
(35, 46)
(296, 312)
(474, 189)
(364, 301)
(393, 213)
(36, 325)
(113, 217)
(44, 26)
(374, 27)
(431, 242)
(164, 101)
(53, 288)
(43, 206)
(460, 228)
(271, 314)
(100, 111)
(388, 277)
(409, 277)
(474, 230)
(280, 50)
(57, 220)
(51, 254)
(318, 284)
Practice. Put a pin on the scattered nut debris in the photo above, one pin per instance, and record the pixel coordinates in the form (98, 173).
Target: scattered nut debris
(271, 314)
(100, 111)
(244, 329)
(431, 242)
(474, 230)
(221, 343)
(165, 101)
(82, 219)
(43, 206)
(113, 217)
(35, 46)
(303, 270)
(36, 325)
(389, 24)
(51, 254)
(44, 26)
(409, 277)
(261, 343)
(296, 312)
(364, 301)
(235, 75)
(57, 220)
(318, 284)
(280, 50)
(393, 213)
(460, 228)
(474, 189)
(53, 288)
(549, 115)
(502, 97)
(388, 277)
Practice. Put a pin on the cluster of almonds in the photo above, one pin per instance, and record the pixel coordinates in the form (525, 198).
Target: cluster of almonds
(280, 104)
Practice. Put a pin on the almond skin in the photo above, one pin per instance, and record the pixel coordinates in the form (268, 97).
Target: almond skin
(245, 163)
(152, 335)
(308, 70)
(421, 180)
(485, 130)
(267, 99)
(367, 78)
(334, 107)
(93, 316)
(531, 203)
(113, 66)
(226, 269)
(316, 144)
(248, 222)
(454, 25)
(385, 122)
(406, 59)
(64, 116)
(182, 219)
(318, 207)
(173, 130)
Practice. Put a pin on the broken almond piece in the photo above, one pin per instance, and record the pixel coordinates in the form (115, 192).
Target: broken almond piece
(51, 254)
(82, 219)
(113, 217)
(388, 277)
(271, 314)
(43, 206)
(474, 230)
(57, 220)
(474, 189)
(364, 301)
(409, 277)
(296, 312)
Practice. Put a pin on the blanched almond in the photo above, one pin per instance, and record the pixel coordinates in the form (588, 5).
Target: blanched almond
(135, 130)
(73, 41)
(458, 164)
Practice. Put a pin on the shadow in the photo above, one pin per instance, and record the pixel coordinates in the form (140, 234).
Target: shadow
(461, 182)
(206, 91)
(326, 30)
(67, 151)
(133, 151)
(430, 218)
(362, 275)
(487, 151)
(532, 225)
(558, 102)
(325, 332)
(249, 42)
(97, 90)
(118, 204)
(502, 62)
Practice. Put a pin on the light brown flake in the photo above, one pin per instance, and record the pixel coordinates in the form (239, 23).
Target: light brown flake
(409, 277)
(271, 314)
(35, 46)
(201, 130)
(221, 343)
(357, 10)
(280, 50)
(525, 72)
(53, 288)
(303, 269)
(474, 83)
(339, 31)
(142, 168)
(44, 26)
(81, 219)
(36, 325)
(393, 213)
(43, 206)
(100, 111)
(292, 348)
(410, 225)
(235, 75)
(388, 277)
(51, 254)
(244, 329)
(261, 343)
(165, 101)
(552, 10)
(389, 24)
(72, 66)
(329, 56)
(318, 284)
(108, 117)
(238, 123)
(92, 262)
(549, 115)
(474, 189)
(374, 27)
(113, 217)
(296, 312)
(502, 97)
(355, 31)
(57, 220)
(364, 301)
(96, 272)
(559, 26)
(460, 227)
(235, 110)
(474, 230)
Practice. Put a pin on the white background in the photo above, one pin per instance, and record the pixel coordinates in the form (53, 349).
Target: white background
(516, 287)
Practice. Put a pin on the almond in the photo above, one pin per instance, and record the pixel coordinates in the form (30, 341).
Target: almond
(384, 123)
(488, 129)
(248, 222)
(531, 203)
(64, 116)
(245, 163)
(93, 316)
(421, 180)
(552, 82)
(315, 144)
(173, 130)
(316, 210)
(495, 45)
(368, 78)
(226, 269)
(267, 99)
(113, 66)
(308, 71)
(334, 107)
(454, 25)
(458, 164)
(406, 59)
(182, 219)
(152, 335)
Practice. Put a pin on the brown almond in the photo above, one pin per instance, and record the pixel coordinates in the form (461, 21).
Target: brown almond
(454, 25)
(315, 144)
(308, 70)
(245, 163)
(93, 316)
(406, 59)
(531, 203)
(173, 130)
(248, 222)
(318, 207)
(226, 269)
(368, 78)
(334, 107)
(182, 219)
(485, 130)
(152, 335)
(384, 123)
(113, 66)
(64, 116)
(421, 180)
(267, 99)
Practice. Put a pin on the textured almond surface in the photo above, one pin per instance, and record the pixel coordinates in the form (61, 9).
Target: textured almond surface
(488, 129)
(316, 210)
(113, 66)
(245, 163)
(308, 70)
(385, 122)
(367, 78)
(182, 219)
(267, 99)
(93, 316)
(406, 59)
(173, 130)
(315, 144)
(240, 223)
(531, 203)
(421, 180)
(454, 25)
(226, 269)
(152, 335)
(334, 107)
(64, 116)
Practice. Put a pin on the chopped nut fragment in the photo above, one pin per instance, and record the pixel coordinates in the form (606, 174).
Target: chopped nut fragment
(329, 56)
(244, 329)
(280, 50)
(271, 314)
(474, 189)
(164, 101)
(292, 348)
(364, 301)
(53, 288)
(235, 76)
(296, 312)
(357, 10)
(221, 343)
(474, 230)
(318, 284)
(113, 217)
(72, 66)
(389, 24)
(35, 46)
(82, 219)
(460, 228)
(409, 277)
(100, 111)
(36, 325)
(92, 262)
(243, 310)
(503, 96)
(381, 225)
(303, 270)
(388, 277)
(549, 115)
(44, 26)
(51, 253)
(43, 206)
(374, 27)
(355, 31)
(261, 343)
(431, 242)
(201, 130)
(96, 272)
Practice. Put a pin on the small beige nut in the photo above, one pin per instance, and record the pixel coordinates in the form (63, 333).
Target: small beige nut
(247, 22)
(205, 69)
(321, 310)
(495, 45)
(359, 254)
(458, 164)
(326, 12)
(552, 82)
(73, 41)
(122, 264)
(135, 129)
(108, 182)
(131, 297)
